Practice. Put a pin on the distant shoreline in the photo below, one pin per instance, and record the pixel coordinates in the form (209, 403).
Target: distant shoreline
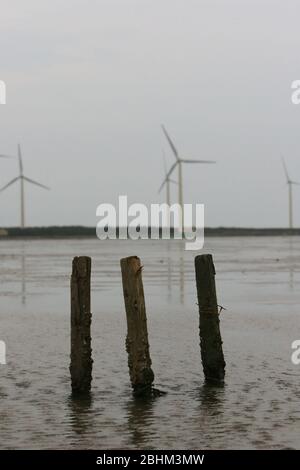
(90, 232)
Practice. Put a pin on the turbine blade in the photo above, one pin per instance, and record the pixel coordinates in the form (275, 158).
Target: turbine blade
(171, 170)
(285, 169)
(295, 182)
(20, 159)
(34, 182)
(170, 143)
(165, 163)
(167, 176)
(162, 185)
(10, 183)
(197, 161)
(6, 156)
(172, 181)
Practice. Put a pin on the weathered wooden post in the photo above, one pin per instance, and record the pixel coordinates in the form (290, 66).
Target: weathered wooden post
(210, 336)
(81, 352)
(137, 345)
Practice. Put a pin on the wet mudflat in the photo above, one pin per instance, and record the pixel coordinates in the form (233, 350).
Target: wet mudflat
(258, 282)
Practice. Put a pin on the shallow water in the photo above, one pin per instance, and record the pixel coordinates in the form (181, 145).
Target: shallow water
(258, 282)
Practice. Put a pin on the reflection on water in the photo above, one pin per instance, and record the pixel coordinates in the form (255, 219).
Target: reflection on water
(258, 281)
(81, 418)
(211, 401)
(139, 414)
(211, 395)
(23, 275)
(291, 262)
(169, 272)
(181, 274)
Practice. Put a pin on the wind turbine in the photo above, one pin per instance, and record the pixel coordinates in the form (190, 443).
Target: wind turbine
(166, 182)
(179, 161)
(22, 178)
(290, 184)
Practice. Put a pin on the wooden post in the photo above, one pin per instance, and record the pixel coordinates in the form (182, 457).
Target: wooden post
(210, 336)
(81, 352)
(137, 346)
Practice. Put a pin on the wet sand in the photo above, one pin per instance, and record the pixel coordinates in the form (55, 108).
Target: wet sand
(258, 282)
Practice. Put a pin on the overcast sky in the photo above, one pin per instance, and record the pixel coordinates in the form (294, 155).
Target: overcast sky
(89, 83)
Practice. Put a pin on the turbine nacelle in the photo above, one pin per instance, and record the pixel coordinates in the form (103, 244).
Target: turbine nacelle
(178, 163)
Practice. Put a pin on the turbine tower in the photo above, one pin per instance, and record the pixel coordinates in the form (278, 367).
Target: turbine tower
(290, 185)
(179, 161)
(22, 178)
(166, 182)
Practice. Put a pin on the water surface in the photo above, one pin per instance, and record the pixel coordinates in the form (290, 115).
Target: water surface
(258, 282)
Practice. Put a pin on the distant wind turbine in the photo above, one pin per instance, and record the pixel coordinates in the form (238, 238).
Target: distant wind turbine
(179, 161)
(22, 178)
(290, 185)
(166, 182)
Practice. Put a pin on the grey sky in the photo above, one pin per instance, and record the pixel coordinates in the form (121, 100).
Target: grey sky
(89, 83)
